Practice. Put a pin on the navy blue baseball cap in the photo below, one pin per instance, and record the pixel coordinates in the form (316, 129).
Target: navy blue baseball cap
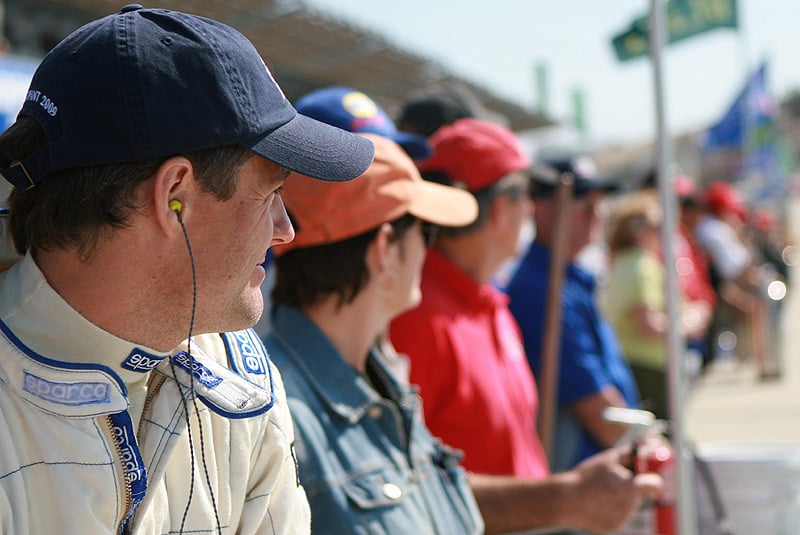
(545, 175)
(354, 111)
(153, 83)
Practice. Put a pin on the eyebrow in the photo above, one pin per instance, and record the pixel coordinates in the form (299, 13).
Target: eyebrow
(275, 177)
(280, 176)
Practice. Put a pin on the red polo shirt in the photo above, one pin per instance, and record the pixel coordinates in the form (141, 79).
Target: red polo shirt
(692, 269)
(467, 357)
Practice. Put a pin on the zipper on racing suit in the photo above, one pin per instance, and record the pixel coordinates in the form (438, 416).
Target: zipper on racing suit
(128, 463)
(126, 498)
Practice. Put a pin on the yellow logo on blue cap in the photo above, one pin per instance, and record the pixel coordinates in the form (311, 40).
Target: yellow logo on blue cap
(359, 105)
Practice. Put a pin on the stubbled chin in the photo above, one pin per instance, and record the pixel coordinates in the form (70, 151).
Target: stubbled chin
(253, 307)
(259, 274)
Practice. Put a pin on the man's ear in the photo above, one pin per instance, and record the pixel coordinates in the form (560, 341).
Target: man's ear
(498, 210)
(174, 188)
(379, 249)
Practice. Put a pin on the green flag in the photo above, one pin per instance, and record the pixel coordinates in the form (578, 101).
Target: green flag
(579, 111)
(685, 18)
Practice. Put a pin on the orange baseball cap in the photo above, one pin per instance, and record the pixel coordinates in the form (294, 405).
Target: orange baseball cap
(475, 153)
(390, 188)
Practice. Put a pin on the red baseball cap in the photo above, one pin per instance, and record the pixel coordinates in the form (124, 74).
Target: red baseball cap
(721, 198)
(474, 153)
(763, 219)
(327, 212)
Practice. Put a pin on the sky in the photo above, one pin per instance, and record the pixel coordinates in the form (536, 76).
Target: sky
(498, 45)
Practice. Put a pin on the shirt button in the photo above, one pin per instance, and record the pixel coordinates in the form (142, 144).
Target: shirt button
(392, 491)
(375, 412)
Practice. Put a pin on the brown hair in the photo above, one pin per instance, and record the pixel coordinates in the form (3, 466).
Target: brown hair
(629, 216)
(79, 207)
(307, 275)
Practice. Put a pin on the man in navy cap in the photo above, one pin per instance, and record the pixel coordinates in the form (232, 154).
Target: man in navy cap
(147, 164)
(593, 374)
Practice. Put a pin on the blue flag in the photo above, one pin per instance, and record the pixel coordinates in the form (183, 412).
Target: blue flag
(752, 108)
(750, 125)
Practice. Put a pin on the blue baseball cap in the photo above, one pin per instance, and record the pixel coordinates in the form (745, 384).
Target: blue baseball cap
(153, 83)
(354, 111)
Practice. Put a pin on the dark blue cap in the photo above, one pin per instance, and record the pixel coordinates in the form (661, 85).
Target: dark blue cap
(152, 83)
(545, 175)
(354, 111)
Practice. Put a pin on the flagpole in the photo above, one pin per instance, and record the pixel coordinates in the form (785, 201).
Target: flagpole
(747, 67)
(686, 515)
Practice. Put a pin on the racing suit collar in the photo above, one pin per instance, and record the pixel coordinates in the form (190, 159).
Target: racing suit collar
(39, 317)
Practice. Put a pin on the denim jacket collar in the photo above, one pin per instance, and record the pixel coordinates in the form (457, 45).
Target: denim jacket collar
(345, 391)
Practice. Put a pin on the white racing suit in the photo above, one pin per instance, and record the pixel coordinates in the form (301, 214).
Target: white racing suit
(93, 436)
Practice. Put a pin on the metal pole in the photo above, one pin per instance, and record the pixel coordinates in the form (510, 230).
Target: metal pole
(551, 344)
(686, 515)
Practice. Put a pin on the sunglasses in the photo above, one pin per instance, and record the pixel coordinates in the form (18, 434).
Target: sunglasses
(429, 233)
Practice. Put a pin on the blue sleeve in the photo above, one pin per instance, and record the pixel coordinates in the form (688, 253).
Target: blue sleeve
(581, 369)
(527, 296)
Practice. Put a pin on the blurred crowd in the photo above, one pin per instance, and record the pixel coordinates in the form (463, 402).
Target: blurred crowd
(569, 264)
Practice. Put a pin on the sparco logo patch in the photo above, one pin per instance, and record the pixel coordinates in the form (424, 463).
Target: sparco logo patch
(140, 361)
(201, 373)
(252, 355)
(66, 393)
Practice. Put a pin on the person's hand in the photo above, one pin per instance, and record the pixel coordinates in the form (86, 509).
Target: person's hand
(695, 319)
(607, 493)
(654, 441)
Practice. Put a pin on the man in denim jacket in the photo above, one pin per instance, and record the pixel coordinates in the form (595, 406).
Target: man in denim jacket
(366, 458)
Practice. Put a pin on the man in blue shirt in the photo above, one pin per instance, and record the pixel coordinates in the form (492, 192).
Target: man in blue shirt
(592, 373)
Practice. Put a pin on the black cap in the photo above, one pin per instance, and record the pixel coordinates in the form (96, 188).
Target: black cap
(545, 175)
(425, 114)
(152, 83)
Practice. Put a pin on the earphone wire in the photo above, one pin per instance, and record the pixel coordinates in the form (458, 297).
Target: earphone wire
(194, 398)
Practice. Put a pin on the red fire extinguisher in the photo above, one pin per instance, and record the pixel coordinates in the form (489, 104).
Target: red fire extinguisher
(654, 455)
(661, 460)
(655, 517)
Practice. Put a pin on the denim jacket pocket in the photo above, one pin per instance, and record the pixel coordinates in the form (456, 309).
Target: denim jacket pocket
(371, 491)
